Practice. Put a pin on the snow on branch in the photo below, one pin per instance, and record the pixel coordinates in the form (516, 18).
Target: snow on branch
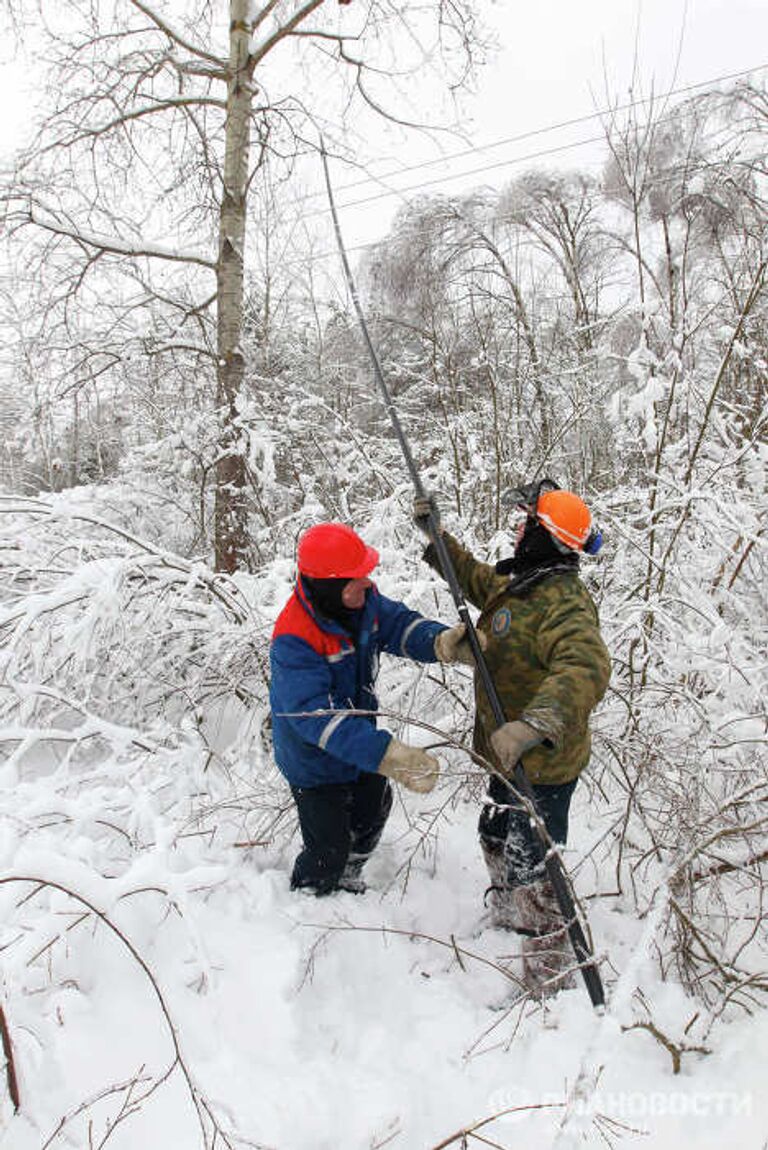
(111, 645)
(112, 245)
(258, 51)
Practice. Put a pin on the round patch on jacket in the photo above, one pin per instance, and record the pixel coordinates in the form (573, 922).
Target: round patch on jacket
(501, 622)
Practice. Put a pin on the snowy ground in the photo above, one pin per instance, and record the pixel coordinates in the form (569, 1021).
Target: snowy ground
(163, 988)
(315, 1024)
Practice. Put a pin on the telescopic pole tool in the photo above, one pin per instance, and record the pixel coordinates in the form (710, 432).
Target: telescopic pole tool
(552, 862)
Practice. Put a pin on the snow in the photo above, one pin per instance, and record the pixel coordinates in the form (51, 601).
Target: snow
(343, 1023)
(47, 219)
(162, 985)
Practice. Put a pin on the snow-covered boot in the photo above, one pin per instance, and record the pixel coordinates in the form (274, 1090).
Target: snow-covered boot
(547, 954)
(499, 897)
(351, 877)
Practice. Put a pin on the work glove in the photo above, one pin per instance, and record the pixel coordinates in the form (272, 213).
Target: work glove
(512, 740)
(452, 646)
(409, 766)
(422, 506)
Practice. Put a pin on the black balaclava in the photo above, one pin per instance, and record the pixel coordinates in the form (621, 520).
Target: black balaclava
(325, 596)
(536, 551)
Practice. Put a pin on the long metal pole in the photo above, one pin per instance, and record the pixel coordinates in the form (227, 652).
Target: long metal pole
(552, 862)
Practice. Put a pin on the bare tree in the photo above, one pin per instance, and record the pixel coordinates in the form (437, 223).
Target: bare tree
(134, 196)
(559, 211)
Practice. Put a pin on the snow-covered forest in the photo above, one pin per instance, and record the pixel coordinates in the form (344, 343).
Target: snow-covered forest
(184, 389)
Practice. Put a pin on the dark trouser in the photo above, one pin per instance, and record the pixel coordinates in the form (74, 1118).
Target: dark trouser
(511, 847)
(341, 823)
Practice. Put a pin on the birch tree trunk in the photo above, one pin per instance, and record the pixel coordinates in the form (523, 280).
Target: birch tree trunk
(136, 107)
(230, 501)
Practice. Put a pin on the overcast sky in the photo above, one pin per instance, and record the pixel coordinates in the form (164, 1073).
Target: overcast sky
(558, 60)
(555, 51)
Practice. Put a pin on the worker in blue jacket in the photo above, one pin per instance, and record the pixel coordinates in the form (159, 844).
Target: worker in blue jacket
(324, 657)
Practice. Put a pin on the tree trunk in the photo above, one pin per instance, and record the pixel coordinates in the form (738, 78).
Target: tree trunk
(230, 513)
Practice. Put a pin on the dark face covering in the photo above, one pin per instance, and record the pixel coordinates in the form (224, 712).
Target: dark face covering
(325, 596)
(536, 551)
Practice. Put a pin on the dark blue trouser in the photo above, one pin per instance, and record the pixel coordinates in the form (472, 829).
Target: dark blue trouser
(339, 822)
(506, 833)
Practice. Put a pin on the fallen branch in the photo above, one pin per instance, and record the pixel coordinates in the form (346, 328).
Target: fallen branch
(202, 1110)
(459, 952)
(676, 1051)
(729, 867)
(469, 1131)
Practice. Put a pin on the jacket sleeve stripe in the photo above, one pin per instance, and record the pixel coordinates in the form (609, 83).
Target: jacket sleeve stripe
(328, 730)
(337, 656)
(406, 633)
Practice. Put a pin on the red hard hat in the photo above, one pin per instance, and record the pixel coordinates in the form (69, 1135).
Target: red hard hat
(335, 551)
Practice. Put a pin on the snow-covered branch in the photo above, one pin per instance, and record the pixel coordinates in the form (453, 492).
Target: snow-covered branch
(113, 245)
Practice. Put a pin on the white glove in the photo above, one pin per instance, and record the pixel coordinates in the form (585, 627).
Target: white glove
(410, 766)
(452, 646)
(512, 740)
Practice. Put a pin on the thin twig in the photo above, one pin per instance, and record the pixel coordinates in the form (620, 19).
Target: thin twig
(10, 1065)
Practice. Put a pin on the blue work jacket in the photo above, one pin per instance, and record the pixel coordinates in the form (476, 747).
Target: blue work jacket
(320, 674)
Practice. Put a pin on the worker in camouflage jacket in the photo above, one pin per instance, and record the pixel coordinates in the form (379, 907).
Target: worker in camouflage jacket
(550, 667)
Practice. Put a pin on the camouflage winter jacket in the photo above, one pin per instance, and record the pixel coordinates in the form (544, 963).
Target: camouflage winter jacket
(547, 659)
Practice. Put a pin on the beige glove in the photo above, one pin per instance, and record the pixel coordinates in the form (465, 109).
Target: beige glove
(423, 505)
(452, 646)
(513, 740)
(410, 766)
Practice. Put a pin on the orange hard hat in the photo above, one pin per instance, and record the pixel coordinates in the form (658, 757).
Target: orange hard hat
(335, 551)
(565, 517)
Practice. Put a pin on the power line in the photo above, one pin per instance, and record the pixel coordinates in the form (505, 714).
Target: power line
(532, 134)
(401, 192)
(510, 162)
(596, 193)
(460, 175)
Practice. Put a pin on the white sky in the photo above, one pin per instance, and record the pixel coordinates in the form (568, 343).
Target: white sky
(558, 60)
(555, 50)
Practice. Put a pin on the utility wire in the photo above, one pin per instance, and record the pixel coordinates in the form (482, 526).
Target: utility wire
(387, 193)
(533, 133)
(596, 193)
